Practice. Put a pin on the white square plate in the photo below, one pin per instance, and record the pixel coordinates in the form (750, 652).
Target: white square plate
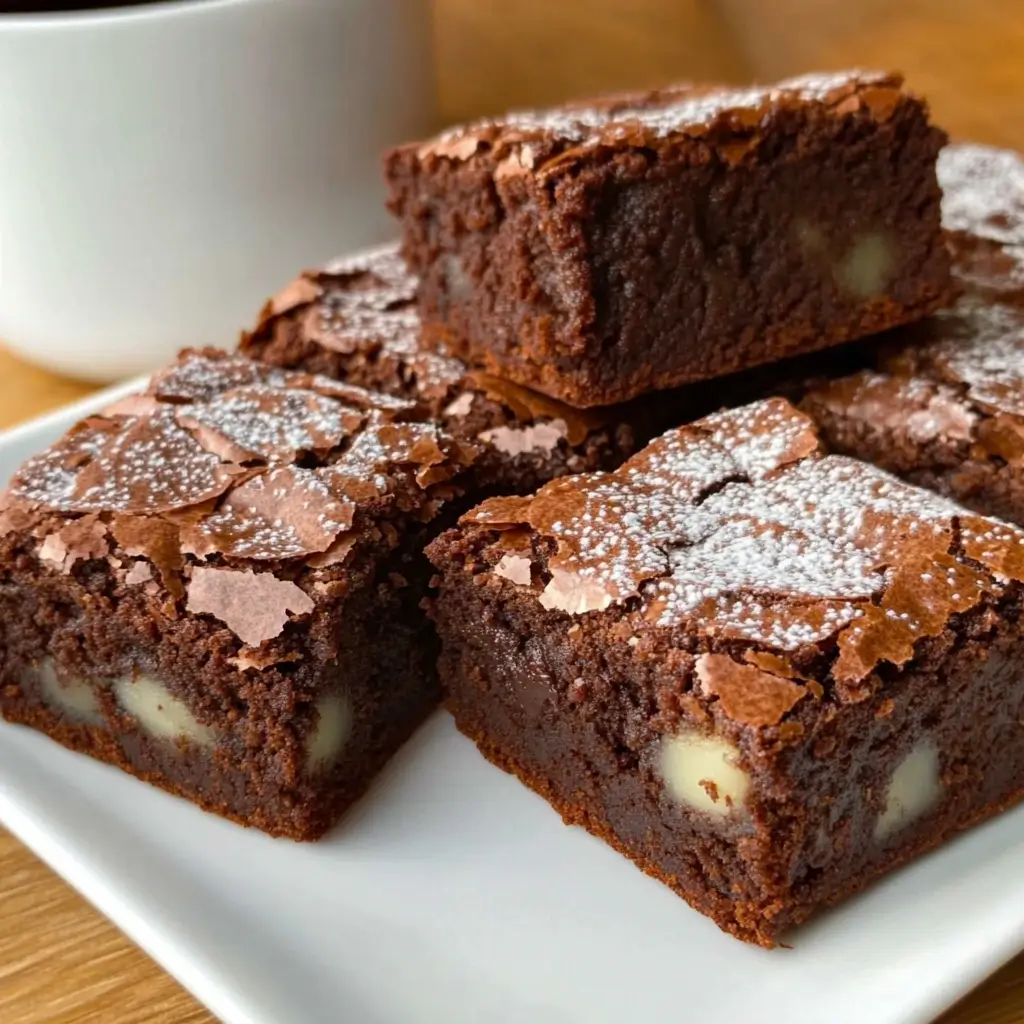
(452, 894)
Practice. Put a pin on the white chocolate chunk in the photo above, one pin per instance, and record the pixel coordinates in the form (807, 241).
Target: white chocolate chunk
(331, 732)
(867, 267)
(159, 713)
(703, 771)
(914, 789)
(75, 698)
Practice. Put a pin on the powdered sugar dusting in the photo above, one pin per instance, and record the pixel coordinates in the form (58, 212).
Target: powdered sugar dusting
(980, 345)
(615, 529)
(365, 462)
(363, 306)
(737, 527)
(823, 531)
(286, 513)
(273, 424)
(167, 478)
(148, 464)
(355, 311)
(691, 111)
(956, 371)
(367, 307)
(202, 375)
(983, 192)
(384, 262)
(679, 110)
(763, 436)
(363, 309)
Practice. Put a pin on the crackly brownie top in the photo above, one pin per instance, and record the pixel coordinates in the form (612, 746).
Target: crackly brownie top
(959, 376)
(364, 308)
(983, 209)
(739, 531)
(983, 191)
(530, 140)
(361, 311)
(224, 473)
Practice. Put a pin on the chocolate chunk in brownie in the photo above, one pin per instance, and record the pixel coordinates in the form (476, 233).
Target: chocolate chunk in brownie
(764, 674)
(983, 214)
(216, 586)
(356, 320)
(600, 251)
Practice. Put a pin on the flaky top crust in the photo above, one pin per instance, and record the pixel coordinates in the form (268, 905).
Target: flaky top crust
(233, 486)
(958, 377)
(740, 534)
(540, 141)
(983, 214)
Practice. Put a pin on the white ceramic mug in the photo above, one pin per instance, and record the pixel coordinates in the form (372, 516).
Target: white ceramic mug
(164, 168)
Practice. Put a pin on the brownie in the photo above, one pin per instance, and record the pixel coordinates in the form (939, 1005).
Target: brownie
(356, 320)
(215, 585)
(943, 407)
(983, 214)
(764, 674)
(597, 252)
(940, 402)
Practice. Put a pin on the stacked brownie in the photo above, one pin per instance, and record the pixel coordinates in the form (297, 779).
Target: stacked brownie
(763, 672)
(610, 249)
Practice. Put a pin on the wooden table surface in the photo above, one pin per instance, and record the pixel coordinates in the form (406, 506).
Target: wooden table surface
(59, 960)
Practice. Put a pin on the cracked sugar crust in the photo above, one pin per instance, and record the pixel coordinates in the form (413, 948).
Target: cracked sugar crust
(958, 376)
(981, 347)
(983, 192)
(737, 528)
(526, 140)
(134, 464)
(362, 311)
(224, 462)
(363, 307)
(983, 214)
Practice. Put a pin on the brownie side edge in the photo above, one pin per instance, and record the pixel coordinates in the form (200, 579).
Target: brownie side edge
(564, 283)
(577, 712)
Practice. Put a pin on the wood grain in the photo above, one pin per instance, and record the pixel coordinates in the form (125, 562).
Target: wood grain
(60, 962)
(26, 391)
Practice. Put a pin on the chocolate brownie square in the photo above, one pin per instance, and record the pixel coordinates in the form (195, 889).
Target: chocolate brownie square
(215, 585)
(764, 674)
(600, 251)
(356, 320)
